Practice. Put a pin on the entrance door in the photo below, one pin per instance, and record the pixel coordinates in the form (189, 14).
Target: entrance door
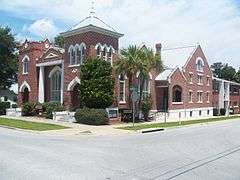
(25, 95)
(75, 96)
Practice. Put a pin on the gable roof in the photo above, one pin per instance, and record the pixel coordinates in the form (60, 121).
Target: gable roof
(92, 23)
(177, 56)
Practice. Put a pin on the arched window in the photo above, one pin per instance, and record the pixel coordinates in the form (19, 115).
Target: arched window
(110, 54)
(78, 55)
(177, 94)
(83, 53)
(55, 80)
(104, 53)
(99, 51)
(200, 64)
(72, 55)
(122, 93)
(145, 86)
(25, 64)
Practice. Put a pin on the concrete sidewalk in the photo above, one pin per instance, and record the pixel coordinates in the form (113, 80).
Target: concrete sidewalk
(75, 128)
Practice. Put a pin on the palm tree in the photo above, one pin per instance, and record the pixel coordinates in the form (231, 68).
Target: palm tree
(129, 64)
(136, 59)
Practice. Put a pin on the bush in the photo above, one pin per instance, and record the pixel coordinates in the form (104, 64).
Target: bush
(222, 112)
(14, 106)
(3, 107)
(146, 106)
(92, 116)
(29, 109)
(50, 107)
(215, 112)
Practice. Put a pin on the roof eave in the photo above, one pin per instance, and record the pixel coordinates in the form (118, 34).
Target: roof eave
(93, 29)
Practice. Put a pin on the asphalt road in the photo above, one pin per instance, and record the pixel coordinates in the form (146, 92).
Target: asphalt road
(199, 152)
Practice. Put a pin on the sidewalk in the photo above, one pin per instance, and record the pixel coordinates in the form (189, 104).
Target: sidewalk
(75, 128)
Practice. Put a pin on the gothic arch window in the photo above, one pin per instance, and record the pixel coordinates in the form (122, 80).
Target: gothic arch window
(25, 65)
(104, 53)
(200, 64)
(99, 49)
(83, 53)
(55, 84)
(72, 55)
(110, 55)
(177, 93)
(122, 90)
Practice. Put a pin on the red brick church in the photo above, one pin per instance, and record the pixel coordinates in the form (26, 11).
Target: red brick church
(184, 90)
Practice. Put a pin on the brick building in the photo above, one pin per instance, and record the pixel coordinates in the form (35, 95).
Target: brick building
(49, 73)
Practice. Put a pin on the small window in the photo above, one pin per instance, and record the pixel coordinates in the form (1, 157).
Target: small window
(208, 97)
(145, 88)
(83, 55)
(25, 66)
(191, 78)
(200, 65)
(190, 97)
(72, 56)
(200, 113)
(200, 79)
(191, 113)
(104, 53)
(99, 51)
(200, 96)
(110, 54)
(208, 112)
(122, 88)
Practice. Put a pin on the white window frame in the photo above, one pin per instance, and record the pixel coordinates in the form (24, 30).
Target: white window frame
(200, 79)
(55, 70)
(200, 96)
(25, 65)
(208, 96)
(190, 96)
(200, 69)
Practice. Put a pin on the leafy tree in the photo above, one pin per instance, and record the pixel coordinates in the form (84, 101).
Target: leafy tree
(8, 58)
(138, 59)
(228, 72)
(97, 84)
(237, 76)
(217, 68)
(59, 40)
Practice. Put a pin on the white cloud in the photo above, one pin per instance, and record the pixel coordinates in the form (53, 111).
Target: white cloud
(214, 24)
(44, 28)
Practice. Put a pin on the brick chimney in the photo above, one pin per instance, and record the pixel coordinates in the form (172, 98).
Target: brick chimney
(158, 48)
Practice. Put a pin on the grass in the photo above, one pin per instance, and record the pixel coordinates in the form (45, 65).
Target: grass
(176, 124)
(35, 126)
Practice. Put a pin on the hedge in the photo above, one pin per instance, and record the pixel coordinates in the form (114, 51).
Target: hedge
(29, 109)
(92, 116)
(3, 107)
(50, 107)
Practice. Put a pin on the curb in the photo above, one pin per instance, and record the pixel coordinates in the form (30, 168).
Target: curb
(152, 130)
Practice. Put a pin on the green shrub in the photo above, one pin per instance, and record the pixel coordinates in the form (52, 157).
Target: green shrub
(215, 112)
(146, 106)
(3, 107)
(50, 107)
(14, 106)
(92, 116)
(222, 112)
(29, 109)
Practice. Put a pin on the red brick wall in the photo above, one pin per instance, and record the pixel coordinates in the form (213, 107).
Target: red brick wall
(178, 79)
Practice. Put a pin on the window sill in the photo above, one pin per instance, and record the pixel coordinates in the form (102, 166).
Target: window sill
(75, 65)
(235, 106)
(199, 102)
(200, 84)
(24, 73)
(190, 102)
(177, 103)
(208, 102)
(190, 82)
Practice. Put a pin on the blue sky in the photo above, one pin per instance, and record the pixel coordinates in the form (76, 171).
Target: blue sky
(213, 24)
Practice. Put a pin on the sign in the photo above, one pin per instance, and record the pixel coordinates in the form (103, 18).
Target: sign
(134, 96)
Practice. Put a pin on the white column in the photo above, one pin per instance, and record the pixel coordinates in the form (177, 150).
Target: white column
(221, 94)
(62, 82)
(41, 85)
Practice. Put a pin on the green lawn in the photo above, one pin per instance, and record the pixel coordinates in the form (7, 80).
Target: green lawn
(175, 124)
(29, 125)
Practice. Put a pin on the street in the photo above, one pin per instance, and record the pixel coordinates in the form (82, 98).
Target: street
(198, 152)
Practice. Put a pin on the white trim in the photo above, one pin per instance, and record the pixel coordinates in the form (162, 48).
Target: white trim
(75, 65)
(57, 62)
(51, 55)
(74, 82)
(26, 57)
(56, 68)
(177, 103)
(200, 59)
(24, 84)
